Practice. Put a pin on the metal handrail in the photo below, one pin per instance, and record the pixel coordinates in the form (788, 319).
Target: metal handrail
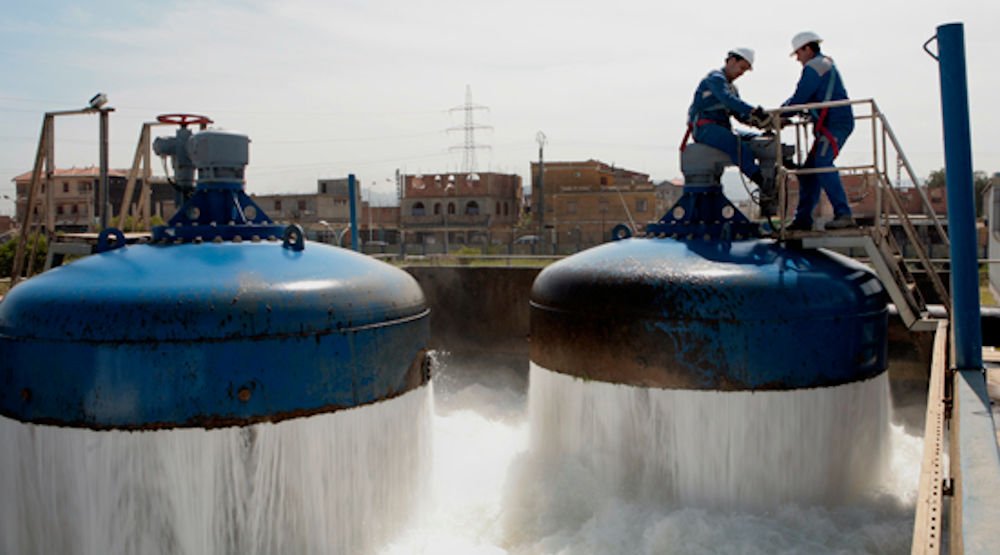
(878, 166)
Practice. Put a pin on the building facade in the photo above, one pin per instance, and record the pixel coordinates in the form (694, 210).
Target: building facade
(75, 197)
(584, 201)
(451, 210)
(326, 214)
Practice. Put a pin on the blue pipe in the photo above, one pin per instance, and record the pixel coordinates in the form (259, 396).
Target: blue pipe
(961, 206)
(352, 185)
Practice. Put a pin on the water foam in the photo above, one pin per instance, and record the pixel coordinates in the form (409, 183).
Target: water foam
(501, 491)
(334, 483)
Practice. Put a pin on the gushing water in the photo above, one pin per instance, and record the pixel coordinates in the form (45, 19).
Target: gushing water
(504, 484)
(334, 483)
(716, 449)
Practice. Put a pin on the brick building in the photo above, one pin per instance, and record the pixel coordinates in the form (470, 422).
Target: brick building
(862, 194)
(584, 201)
(458, 209)
(75, 200)
(325, 213)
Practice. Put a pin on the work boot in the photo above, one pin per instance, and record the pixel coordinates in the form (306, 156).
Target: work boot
(799, 225)
(843, 221)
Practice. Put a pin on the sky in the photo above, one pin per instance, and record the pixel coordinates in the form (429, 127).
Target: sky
(328, 88)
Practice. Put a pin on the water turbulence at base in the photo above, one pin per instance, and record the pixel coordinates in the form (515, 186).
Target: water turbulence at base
(497, 489)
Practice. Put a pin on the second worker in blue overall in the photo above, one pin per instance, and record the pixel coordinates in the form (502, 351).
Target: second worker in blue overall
(715, 101)
(821, 82)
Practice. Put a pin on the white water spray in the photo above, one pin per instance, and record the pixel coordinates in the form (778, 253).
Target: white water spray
(718, 450)
(344, 482)
(495, 495)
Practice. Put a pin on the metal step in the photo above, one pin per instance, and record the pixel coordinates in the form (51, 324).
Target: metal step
(885, 259)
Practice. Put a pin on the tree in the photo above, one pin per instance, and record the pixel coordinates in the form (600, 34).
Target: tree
(980, 181)
(8, 249)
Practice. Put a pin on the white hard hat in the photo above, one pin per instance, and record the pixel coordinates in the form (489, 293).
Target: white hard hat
(745, 53)
(804, 38)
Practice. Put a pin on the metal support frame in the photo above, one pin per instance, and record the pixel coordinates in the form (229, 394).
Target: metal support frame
(142, 158)
(46, 155)
(882, 137)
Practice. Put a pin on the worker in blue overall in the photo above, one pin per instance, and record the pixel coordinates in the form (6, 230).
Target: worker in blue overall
(715, 101)
(821, 82)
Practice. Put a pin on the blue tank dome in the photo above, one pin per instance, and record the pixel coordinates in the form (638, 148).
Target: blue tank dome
(713, 315)
(209, 334)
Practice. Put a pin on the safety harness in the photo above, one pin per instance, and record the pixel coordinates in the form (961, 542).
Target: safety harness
(690, 129)
(820, 126)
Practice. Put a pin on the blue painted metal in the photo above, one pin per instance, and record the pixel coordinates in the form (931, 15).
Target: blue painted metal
(704, 212)
(218, 208)
(210, 326)
(352, 187)
(208, 335)
(961, 205)
(712, 315)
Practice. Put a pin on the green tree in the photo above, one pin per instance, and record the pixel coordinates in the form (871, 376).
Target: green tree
(980, 181)
(8, 249)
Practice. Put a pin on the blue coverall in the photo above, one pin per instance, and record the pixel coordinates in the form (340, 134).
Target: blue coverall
(715, 100)
(822, 82)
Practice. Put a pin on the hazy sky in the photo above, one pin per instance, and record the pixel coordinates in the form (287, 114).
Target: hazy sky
(365, 86)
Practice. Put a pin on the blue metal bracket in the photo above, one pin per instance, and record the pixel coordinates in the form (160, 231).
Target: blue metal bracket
(103, 245)
(704, 212)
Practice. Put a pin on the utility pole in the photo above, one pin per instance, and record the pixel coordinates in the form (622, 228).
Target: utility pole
(105, 200)
(470, 146)
(538, 190)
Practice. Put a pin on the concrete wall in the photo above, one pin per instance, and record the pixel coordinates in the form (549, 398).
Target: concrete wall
(477, 309)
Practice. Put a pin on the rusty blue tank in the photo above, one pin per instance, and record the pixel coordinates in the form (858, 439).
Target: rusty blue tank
(704, 301)
(709, 315)
(226, 318)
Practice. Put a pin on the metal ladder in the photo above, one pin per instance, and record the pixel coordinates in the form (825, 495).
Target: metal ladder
(880, 246)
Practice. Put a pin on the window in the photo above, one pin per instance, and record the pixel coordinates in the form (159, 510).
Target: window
(65, 186)
(418, 209)
(604, 180)
(641, 205)
(451, 207)
(571, 207)
(60, 210)
(277, 205)
(506, 209)
(498, 208)
(75, 209)
(437, 208)
(472, 208)
(322, 188)
(302, 205)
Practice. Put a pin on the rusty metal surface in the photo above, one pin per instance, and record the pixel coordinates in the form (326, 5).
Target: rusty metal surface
(689, 315)
(208, 335)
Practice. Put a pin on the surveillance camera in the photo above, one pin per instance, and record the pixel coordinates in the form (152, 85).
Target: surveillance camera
(99, 100)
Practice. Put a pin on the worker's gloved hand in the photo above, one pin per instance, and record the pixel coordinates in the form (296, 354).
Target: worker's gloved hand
(760, 119)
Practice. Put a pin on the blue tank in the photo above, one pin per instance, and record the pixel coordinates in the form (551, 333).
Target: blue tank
(710, 315)
(212, 324)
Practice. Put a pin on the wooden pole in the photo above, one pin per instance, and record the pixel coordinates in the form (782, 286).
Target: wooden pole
(36, 177)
